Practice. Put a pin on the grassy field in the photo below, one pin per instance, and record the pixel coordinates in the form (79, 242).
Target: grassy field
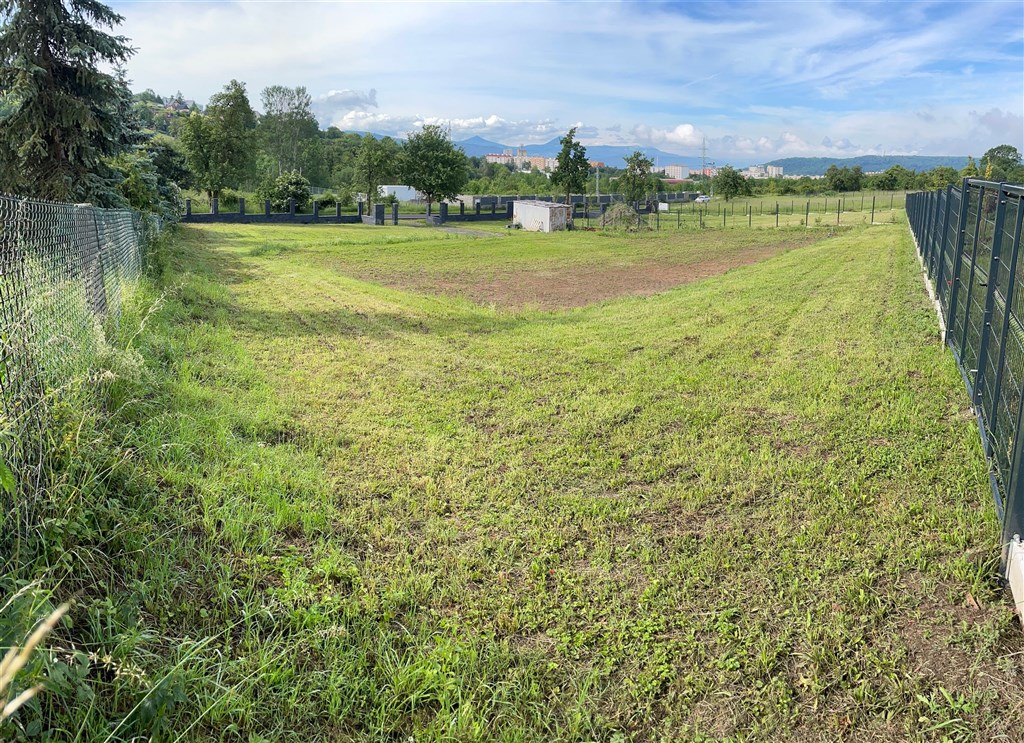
(402, 484)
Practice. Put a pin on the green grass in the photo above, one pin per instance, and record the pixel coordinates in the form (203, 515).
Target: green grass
(750, 508)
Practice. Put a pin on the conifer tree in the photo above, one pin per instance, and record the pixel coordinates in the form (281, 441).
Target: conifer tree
(60, 114)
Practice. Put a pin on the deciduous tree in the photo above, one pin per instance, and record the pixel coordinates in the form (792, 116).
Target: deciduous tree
(729, 183)
(573, 169)
(376, 164)
(433, 165)
(288, 129)
(218, 144)
(637, 181)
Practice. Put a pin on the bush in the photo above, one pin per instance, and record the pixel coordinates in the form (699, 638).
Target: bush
(288, 186)
(326, 200)
(228, 201)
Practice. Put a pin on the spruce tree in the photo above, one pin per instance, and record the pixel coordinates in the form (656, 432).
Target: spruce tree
(60, 115)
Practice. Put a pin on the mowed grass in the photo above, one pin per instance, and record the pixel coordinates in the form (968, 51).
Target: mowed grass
(753, 507)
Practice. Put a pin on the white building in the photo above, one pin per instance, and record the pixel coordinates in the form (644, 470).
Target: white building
(402, 193)
(676, 172)
(541, 216)
(762, 171)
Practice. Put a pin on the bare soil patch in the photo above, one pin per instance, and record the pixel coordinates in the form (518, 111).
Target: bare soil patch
(577, 285)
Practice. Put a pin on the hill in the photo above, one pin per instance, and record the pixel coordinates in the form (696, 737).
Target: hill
(612, 155)
(868, 163)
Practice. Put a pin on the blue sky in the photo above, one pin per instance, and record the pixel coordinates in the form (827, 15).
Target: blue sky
(757, 80)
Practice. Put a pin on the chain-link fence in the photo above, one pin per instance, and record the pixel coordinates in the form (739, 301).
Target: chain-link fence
(63, 268)
(969, 239)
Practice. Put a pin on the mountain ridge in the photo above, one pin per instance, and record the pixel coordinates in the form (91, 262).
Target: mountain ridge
(867, 163)
(615, 156)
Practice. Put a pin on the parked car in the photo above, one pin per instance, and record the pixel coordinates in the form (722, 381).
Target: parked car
(702, 199)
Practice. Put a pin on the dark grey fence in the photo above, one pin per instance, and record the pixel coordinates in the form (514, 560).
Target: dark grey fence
(63, 269)
(969, 240)
(330, 215)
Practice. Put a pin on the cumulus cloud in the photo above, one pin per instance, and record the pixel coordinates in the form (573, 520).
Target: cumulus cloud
(492, 127)
(586, 132)
(334, 103)
(1001, 124)
(682, 135)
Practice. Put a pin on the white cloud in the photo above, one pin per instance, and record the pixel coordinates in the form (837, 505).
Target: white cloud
(682, 135)
(491, 127)
(327, 106)
(755, 79)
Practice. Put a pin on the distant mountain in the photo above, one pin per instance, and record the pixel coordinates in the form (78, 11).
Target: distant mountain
(478, 146)
(867, 163)
(611, 155)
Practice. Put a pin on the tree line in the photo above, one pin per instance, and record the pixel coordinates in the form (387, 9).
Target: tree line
(1001, 164)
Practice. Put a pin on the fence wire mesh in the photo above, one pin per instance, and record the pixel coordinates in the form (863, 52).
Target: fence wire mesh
(969, 239)
(63, 271)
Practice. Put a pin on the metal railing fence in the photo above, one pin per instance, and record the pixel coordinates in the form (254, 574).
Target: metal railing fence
(63, 269)
(969, 240)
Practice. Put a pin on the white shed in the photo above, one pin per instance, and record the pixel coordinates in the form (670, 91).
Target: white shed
(541, 216)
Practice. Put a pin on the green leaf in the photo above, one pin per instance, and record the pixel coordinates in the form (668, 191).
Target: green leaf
(6, 478)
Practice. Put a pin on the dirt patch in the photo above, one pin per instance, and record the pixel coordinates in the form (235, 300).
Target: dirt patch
(563, 287)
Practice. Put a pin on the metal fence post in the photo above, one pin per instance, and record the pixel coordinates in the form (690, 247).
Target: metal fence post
(993, 280)
(1011, 286)
(970, 277)
(940, 289)
(958, 258)
(924, 242)
(1014, 487)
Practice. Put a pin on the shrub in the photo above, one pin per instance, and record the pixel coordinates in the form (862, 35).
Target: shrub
(228, 201)
(327, 200)
(288, 186)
